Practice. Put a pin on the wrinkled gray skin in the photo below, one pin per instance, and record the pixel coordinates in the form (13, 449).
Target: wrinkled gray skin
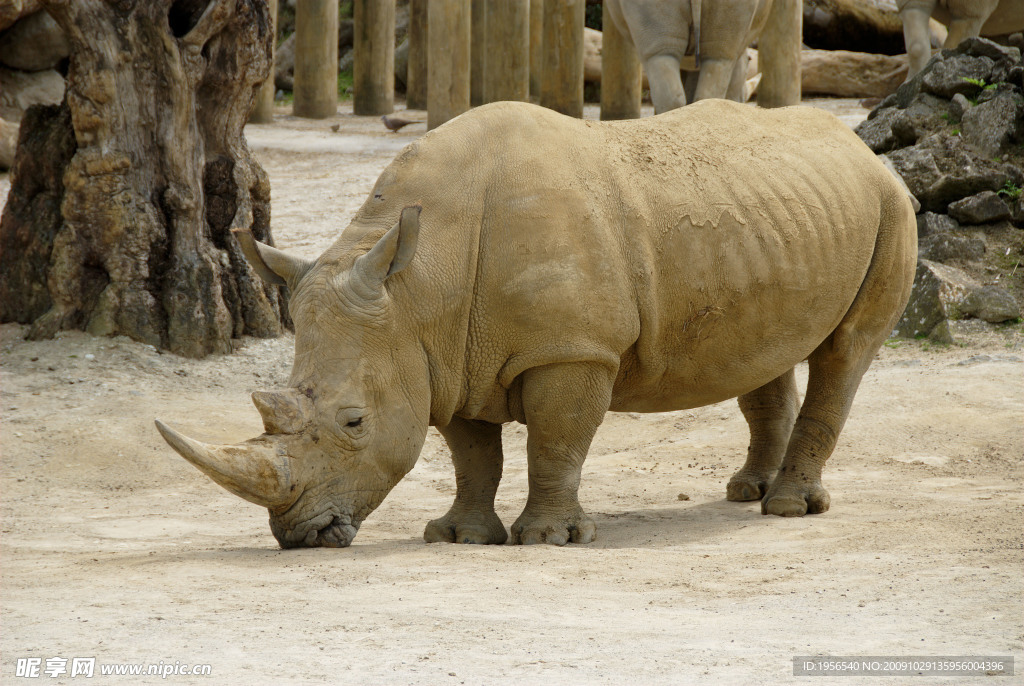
(562, 268)
(964, 18)
(664, 32)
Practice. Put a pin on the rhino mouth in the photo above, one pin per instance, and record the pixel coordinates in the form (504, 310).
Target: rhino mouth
(329, 530)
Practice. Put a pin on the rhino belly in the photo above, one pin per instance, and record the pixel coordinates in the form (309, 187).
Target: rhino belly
(732, 307)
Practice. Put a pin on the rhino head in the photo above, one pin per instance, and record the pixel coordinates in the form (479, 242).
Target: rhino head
(355, 416)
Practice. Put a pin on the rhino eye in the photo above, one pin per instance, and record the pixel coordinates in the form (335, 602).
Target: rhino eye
(351, 418)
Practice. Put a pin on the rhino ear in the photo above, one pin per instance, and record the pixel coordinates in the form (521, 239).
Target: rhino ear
(392, 253)
(274, 266)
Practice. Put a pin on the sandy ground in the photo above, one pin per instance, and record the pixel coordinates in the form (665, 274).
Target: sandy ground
(115, 548)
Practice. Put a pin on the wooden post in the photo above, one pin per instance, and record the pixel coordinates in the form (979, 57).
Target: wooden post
(316, 59)
(373, 67)
(478, 52)
(448, 46)
(779, 55)
(416, 75)
(561, 87)
(621, 73)
(263, 109)
(536, 45)
(507, 66)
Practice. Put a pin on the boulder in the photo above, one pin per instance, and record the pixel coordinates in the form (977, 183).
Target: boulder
(876, 132)
(924, 115)
(957, 74)
(20, 89)
(929, 223)
(994, 126)
(34, 43)
(982, 208)
(958, 104)
(13, 10)
(938, 295)
(944, 247)
(941, 169)
(992, 304)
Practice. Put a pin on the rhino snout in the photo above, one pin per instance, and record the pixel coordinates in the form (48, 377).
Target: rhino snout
(329, 530)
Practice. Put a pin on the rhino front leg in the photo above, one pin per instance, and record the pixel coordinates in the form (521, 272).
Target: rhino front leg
(770, 411)
(563, 404)
(477, 457)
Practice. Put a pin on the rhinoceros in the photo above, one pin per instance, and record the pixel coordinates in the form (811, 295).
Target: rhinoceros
(519, 265)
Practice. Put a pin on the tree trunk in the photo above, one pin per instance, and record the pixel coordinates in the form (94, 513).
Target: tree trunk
(316, 59)
(507, 42)
(448, 40)
(621, 73)
(263, 108)
(156, 175)
(561, 87)
(373, 84)
(778, 55)
(416, 76)
(478, 51)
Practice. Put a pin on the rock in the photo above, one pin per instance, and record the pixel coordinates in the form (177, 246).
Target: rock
(943, 247)
(20, 89)
(892, 170)
(992, 127)
(8, 143)
(957, 74)
(957, 106)
(983, 47)
(851, 74)
(992, 304)
(924, 115)
(981, 208)
(34, 43)
(876, 132)
(13, 10)
(929, 223)
(941, 169)
(938, 295)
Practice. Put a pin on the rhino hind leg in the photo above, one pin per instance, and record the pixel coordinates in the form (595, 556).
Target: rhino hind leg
(564, 404)
(477, 457)
(836, 366)
(771, 411)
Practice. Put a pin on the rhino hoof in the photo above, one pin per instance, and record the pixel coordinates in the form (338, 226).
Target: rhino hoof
(745, 488)
(796, 504)
(583, 530)
(448, 529)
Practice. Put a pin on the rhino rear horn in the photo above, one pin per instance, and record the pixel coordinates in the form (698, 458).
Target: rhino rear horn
(274, 266)
(391, 254)
(254, 470)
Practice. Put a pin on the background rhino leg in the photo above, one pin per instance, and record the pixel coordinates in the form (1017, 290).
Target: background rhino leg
(916, 35)
(564, 404)
(476, 454)
(666, 82)
(770, 411)
(715, 76)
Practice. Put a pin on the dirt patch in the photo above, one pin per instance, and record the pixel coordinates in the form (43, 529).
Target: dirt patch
(113, 547)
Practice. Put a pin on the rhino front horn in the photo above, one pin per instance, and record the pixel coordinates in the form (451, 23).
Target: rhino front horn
(254, 470)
